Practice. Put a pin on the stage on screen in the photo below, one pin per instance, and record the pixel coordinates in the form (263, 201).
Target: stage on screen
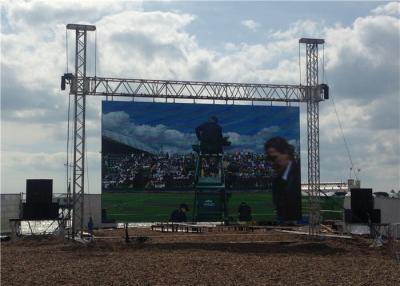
(149, 160)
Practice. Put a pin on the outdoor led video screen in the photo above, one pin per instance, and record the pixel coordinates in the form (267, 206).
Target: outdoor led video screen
(147, 148)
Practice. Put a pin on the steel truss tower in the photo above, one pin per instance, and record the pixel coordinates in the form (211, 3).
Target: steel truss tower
(81, 86)
(79, 90)
(313, 132)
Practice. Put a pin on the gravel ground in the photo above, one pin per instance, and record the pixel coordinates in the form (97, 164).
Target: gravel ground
(216, 258)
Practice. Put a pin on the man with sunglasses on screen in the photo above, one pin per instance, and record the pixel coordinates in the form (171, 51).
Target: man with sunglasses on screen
(286, 184)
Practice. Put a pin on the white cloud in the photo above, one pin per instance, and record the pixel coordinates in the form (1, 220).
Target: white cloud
(250, 24)
(392, 8)
(360, 58)
(361, 66)
(115, 119)
(148, 45)
(121, 128)
(255, 143)
(17, 166)
(23, 15)
(38, 160)
(152, 138)
(300, 29)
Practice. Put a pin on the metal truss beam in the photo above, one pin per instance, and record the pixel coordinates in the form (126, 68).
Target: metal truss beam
(313, 134)
(101, 86)
(79, 91)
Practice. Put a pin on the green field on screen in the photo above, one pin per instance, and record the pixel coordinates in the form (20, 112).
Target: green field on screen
(157, 206)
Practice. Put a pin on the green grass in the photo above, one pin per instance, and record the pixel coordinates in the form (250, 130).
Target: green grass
(151, 207)
(143, 206)
(260, 203)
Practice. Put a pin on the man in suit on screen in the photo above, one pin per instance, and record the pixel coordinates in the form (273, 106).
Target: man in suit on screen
(286, 185)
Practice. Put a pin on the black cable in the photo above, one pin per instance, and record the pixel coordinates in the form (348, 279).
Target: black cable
(68, 120)
(87, 179)
(68, 179)
(95, 54)
(344, 139)
(352, 168)
(323, 63)
(347, 149)
(300, 63)
(66, 46)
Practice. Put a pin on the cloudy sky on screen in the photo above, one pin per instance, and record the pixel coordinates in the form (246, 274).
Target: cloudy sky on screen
(156, 127)
(253, 42)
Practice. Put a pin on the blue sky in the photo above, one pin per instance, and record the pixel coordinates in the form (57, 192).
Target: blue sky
(251, 42)
(246, 120)
(220, 22)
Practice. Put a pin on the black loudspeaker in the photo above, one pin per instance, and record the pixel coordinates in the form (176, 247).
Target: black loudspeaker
(39, 191)
(361, 199)
(362, 204)
(40, 211)
(376, 216)
(325, 90)
(63, 82)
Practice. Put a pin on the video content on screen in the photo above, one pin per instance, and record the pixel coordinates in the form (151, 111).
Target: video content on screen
(153, 146)
(221, 161)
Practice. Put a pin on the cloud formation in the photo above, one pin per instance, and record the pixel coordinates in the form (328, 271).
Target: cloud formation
(361, 67)
(154, 139)
(250, 24)
(392, 8)
(122, 128)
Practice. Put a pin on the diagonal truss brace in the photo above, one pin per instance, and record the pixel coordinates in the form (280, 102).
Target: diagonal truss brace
(120, 87)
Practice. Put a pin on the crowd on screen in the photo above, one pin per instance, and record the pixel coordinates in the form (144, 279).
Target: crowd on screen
(141, 171)
(246, 170)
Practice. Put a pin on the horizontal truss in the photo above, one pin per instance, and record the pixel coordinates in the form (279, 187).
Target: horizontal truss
(100, 86)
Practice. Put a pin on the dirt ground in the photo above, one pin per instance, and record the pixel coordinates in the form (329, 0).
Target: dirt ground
(212, 258)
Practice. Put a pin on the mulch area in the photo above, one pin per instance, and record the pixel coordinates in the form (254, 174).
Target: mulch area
(215, 258)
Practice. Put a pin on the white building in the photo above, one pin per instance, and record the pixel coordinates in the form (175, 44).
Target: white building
(332, 188)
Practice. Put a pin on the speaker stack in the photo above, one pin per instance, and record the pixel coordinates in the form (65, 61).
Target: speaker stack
(39, 200)
(362, 207)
